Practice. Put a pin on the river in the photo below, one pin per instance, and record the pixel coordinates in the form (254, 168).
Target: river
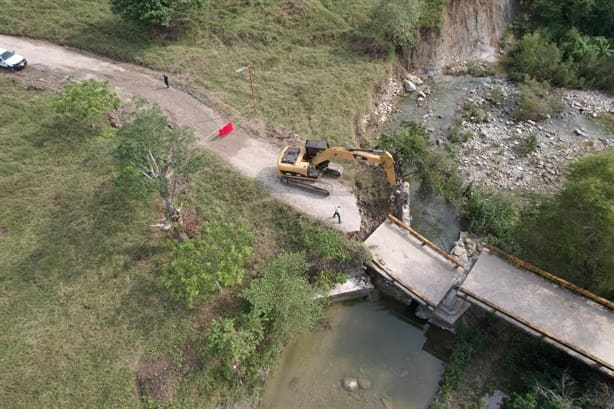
(378, 341)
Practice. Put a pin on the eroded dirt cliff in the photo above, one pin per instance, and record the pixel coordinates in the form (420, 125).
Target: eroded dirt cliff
(471, 29)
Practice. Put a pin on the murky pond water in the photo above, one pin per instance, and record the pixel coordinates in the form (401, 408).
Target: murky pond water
(377, 341)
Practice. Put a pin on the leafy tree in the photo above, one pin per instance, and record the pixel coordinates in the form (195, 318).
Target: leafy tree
(594, 17)
(396, 21)
(536, 57)
(203, 265)
(572, 235)
(87, 101)
(151, 157)
(157, 13)
(283, 299)
(572, 45)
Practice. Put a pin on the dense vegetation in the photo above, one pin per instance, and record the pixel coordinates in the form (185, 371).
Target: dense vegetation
(416, 160)
(567, 43)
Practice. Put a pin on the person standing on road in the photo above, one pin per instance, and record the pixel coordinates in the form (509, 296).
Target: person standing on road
(165, 80)
(337, 213)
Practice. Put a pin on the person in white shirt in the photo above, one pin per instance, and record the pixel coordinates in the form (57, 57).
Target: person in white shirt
(337, 213)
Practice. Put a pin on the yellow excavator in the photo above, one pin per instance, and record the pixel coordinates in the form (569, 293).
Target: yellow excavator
(302, 166)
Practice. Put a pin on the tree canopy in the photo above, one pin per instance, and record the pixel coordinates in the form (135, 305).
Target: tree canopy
(283, 298)
(572, 235)
(396, 21)
(86, 101)
(151, 157)
(282, 304)
(157, 13)
(200, 266)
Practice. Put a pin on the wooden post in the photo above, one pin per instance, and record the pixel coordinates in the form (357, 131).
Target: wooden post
(251, 84)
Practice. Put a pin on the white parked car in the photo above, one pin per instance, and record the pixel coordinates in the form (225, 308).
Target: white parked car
(11, 60)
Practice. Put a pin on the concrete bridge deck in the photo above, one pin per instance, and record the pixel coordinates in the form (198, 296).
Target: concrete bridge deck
(578, 325)
(566, 316)
(413, 263)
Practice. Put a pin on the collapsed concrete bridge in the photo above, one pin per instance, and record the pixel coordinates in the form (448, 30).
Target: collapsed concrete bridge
(568, 317)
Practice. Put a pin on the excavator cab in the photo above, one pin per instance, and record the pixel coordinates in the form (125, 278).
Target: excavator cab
(313, 148)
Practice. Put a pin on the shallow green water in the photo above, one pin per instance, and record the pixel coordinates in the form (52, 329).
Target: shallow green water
(377, 340)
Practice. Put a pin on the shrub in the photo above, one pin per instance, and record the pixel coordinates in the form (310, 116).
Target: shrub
(395, 21)
(474, 113)
(231, 346)
(469, 340)
(201, 266)
(480, 68)
(537, 101)
(158, 13)
(282, 304)
(87, 101)
(537, 58)
(580, 56)
(490, 214)
(572, 234)
(527, 145)
(414, 154)
(432, 12)
(283, 299)
(496, 94)
(457, 135)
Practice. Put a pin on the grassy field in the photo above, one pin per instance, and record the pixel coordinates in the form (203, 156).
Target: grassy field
(84, 317)
(307, 77)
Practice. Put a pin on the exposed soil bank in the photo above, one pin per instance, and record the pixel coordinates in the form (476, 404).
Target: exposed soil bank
(470, 29)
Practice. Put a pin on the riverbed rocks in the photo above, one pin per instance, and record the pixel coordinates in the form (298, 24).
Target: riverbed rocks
(506, 154)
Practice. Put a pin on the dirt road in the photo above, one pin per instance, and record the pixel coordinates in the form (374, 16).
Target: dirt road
(252, 157)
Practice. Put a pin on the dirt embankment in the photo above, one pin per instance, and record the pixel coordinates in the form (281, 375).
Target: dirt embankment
(471, 29)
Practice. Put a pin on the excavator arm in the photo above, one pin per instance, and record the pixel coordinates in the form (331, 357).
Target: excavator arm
(377, 157)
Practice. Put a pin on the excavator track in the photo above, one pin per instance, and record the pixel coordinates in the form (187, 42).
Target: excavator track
(306, 184)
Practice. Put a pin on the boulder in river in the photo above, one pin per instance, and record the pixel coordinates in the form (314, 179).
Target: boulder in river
(364, 383)
(350, 383)
(409, 86)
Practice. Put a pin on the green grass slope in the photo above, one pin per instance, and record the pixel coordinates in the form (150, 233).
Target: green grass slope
(307, 78)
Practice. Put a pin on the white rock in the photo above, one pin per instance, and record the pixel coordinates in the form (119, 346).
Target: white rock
(409, 86)
(350, 384)
(415, 79)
